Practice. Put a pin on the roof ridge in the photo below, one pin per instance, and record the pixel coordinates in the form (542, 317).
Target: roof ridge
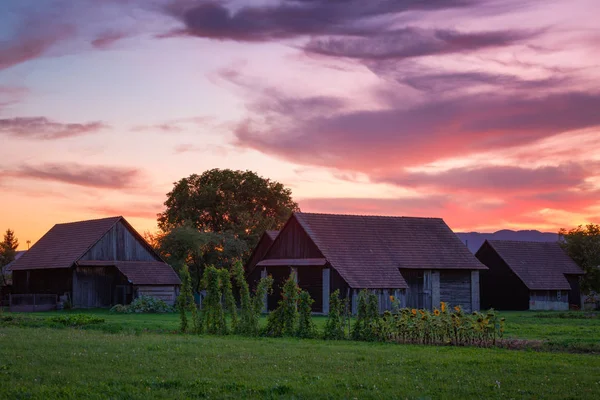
(89, 220)
(366, 215)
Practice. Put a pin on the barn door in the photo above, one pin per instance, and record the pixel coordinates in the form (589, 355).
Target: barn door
(85, 294)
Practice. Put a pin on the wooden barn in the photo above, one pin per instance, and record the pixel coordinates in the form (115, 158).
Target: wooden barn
(528, 276)
(95, 263)
(420, 261)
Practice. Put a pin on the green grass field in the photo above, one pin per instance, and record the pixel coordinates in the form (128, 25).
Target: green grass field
(139, 357)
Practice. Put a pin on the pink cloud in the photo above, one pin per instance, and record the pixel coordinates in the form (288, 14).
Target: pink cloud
(42, 128)
(102, 177)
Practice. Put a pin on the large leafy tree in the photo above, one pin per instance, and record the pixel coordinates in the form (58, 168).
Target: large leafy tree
(218, 217)
(8, 250)
(583, 245)
(225, 201)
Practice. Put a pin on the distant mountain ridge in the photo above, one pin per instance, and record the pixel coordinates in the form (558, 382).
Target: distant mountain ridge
(474, 240)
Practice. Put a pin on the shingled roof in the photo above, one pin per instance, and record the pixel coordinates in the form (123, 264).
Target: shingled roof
(141, 272)
(540, 265)
(64, 244)
(368, 251)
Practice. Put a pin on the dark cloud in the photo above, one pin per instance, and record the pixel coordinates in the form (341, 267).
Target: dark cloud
(29, 45)
(420, 78)
(293, 18)
(414, 42)
(400, 136)
(103, 177)
(107, 39)
(42, 128)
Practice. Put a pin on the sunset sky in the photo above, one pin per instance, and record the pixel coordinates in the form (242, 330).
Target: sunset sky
(484, 113)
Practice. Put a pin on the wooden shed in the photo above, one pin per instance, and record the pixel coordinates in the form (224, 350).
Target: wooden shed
(420, 261)
(528, 276)
(95, 263)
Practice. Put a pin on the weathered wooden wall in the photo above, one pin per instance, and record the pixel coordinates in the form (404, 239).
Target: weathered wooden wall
(549, 300)
(119, 244)
(51, 281)
(455, 289)
(418, 294)
(500, 287)
(280, 275)
(166, 293)
(311, 280)
(94, 286)
(293, 242)
(253, 273)
(575, 292)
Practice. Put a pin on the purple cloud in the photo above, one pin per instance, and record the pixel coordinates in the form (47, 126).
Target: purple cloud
(401, 136)
(292, 18)
(103, 177)
(42, 128)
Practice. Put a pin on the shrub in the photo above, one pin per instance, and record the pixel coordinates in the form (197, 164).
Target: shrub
(148, 304)
(306, 326)
(118, 308)
(250, 307)
(230, 305)
(185, 300)
(76, 320)
(367, 323)
(283, 320)
(335, 325)
(212, 317)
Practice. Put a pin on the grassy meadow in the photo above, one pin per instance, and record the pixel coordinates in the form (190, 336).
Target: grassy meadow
(135, 356)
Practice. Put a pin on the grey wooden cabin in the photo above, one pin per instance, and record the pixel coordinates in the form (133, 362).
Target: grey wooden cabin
(419, 261)
(95, 263)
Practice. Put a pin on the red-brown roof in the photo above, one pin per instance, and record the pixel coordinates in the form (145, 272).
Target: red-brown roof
(368, 251)
(141, 272)
(64, 244)
(540, 265)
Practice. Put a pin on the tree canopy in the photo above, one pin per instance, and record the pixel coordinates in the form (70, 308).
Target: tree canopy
(583, 245)
(238, 202)
(218, 217)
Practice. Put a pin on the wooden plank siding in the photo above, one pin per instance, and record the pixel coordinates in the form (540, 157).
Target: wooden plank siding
(311, 280)
(293, 242)
(42, 281)
(119, 243)
(94, 286)
(166, 293)
(455, 289)
(549, 300)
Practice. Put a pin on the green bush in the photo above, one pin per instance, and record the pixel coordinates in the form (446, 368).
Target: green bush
(76, 320)
(306, 326)
(212, 317)
(118, 308)
(185, 300)
(146, 304)
(250, 307)
(335, 325)
(283, 320)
